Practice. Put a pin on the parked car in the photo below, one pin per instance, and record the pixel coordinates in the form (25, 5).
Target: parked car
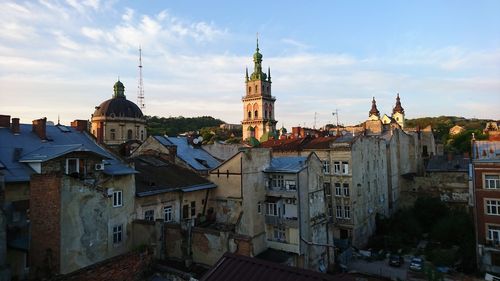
(396, 260)
(417, 264)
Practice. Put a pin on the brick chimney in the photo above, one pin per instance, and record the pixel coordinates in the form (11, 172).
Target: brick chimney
(80, 125)
(40, 128)
(172, 153)
(16, 129)
(5, 121)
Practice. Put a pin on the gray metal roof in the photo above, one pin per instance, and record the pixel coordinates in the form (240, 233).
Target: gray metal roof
(293, 164)
(16, 149)
(197, 158)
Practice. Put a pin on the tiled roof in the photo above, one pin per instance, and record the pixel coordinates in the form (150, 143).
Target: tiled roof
(287, 164)
(159, 176)
(286, 144)
(235, 267)
(197, 158)
(28, 147)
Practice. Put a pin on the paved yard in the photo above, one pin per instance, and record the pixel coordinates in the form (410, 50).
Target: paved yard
(380, 268)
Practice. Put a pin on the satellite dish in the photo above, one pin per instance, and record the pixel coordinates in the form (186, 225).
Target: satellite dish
(195, 141)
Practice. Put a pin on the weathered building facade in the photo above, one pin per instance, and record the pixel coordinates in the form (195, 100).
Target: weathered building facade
(70, 202)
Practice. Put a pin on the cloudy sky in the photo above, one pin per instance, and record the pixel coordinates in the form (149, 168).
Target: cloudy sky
(63, 57)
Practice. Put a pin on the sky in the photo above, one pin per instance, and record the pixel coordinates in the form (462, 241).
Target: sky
(60, 59)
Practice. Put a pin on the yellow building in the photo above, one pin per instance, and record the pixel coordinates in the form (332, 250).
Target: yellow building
(258, 103)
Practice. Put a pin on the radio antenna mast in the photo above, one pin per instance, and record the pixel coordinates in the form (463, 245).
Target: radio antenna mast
(140, 87)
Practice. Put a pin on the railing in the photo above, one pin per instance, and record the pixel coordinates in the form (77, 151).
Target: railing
(280, 221)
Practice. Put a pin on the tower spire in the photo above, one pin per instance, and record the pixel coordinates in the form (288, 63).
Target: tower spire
(398, 107)
(269, 74)
(140, 87)
(374, 110)
(246, 74)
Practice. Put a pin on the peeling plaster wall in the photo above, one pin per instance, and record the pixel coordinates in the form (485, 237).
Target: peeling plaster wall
(87, 221)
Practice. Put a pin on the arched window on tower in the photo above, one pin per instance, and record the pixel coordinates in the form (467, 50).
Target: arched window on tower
(255, 111)
(256, 89)
(249, 110)
(256, 114)
(129, 134)
(265, 111)
(249, 89)
(270, 111)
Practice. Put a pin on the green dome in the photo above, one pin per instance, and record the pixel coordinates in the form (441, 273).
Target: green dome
(119, 90)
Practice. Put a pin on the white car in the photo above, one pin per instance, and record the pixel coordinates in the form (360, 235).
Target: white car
(417, 264)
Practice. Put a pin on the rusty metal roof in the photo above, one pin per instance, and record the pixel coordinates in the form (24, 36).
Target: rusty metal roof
(235, 267)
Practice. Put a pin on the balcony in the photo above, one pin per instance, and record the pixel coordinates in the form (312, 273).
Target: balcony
(279, 221)
(282, 192)
(283, 246)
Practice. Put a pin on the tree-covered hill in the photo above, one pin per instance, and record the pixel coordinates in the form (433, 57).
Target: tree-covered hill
(173, 126)
(441, 127)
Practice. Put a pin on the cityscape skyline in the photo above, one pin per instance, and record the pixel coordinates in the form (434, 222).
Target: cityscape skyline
(62, 58)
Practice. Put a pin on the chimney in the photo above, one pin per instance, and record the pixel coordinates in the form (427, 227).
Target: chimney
(80, 125)
(172, 153)
(5, 121)
(16, 130)
(40, 128)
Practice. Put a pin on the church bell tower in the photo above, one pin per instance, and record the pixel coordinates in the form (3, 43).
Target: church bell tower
(258, 104)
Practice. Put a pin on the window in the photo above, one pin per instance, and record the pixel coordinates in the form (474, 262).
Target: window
(256, 114)
(113, 135)
(290, 185)
(330, 210)
(347, 212)
(338, 190)
(492, 207)
(167, 210)
(117, 198)
(142, 135)
(259, 208)
(277, 181)
(339, 211)
(129, 134)
(249, 89)
(193, 208)
(271, 209)
(494, 234)
(117, 233)
(345, 168)
(249, 114)
(492, 181)
(336, 167)
(346, 189)
(279, 233)
(72, 166)
(265, 114)
(185, 211)
(327, 187)
(149, 215)
(256, 89)
(326, 167)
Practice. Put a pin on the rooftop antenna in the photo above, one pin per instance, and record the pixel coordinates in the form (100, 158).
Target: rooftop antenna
(336, 114)
(58, 119)
(315, 119)
(140, 87)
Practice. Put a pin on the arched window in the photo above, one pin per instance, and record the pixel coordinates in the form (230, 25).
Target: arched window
(249, 110)
(129, 134)
(265, 114)
(256, 114)
(249, 114)
(256, 89)
(270, 111)
(249, 89)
